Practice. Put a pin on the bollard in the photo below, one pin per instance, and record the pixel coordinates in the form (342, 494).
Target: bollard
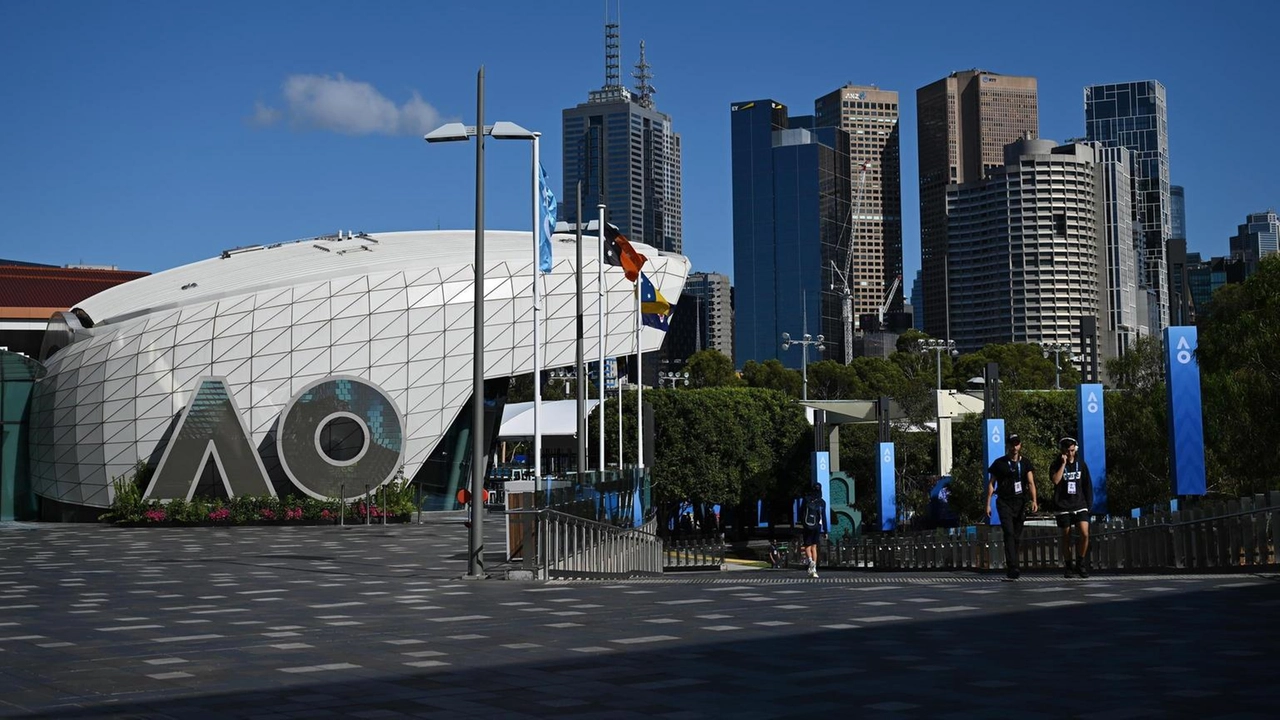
(342, 505)
(368, 516)
(384, 505)
(419, 504)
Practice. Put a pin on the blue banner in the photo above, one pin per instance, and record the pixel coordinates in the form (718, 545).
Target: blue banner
(547, 214)
(888, 487)
(1093, 441)
(1186, 423)
(992, 448)
(820, 465)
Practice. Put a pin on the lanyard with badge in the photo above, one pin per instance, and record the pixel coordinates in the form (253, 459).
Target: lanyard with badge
(1016, 467)
(1075, 473)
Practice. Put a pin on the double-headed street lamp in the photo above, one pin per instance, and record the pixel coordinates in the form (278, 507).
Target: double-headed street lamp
(452, 132)
(938, 346)
(804, 343)
(1057, 349)
(673, 377)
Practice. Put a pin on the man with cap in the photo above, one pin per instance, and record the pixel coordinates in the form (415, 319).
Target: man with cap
(1073, 497)
(1012, 480)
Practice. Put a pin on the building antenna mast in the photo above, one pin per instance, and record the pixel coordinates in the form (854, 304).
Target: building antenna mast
(642, 75)
(612, 48)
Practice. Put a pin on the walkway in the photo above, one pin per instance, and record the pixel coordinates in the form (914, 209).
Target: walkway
(268, 622)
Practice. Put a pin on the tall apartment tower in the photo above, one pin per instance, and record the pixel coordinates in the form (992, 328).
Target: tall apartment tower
(872, 242)
(627, 156)
(1025, 247)
(1176, 257)
(1125, 299)
(964, 121)
(790, 197)
(702, 319)
(1134, 115)
(1256, 238)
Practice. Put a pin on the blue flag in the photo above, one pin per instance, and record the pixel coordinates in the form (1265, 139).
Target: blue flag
(655, 310)
(548, 216)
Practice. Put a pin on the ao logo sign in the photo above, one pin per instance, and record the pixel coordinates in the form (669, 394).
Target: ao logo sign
(888, 456)
(335, 438)
(1184, 351)
(1092, 405)
(995, 435)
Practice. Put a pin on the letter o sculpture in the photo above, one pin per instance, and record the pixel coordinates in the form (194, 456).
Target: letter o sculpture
(339, 435)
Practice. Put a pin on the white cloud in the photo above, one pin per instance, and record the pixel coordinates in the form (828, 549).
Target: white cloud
(354, 108)
(263, 115)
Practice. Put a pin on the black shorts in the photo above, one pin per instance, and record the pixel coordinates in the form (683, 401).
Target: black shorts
(1073, 517)
(811, 536)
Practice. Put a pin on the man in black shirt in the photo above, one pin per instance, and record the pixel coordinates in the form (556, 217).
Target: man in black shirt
(1073, 496)
(1012, 480)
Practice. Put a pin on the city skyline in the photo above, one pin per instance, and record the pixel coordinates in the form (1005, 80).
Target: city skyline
(139, 139)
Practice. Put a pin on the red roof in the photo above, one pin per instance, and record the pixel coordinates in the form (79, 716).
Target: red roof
(33, 286)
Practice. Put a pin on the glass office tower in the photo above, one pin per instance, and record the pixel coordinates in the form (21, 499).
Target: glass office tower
(1134, 115)
(790, 195)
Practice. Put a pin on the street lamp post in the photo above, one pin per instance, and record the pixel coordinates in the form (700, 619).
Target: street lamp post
(938, 346)
(1057, 349)
(804, 343)
(452, 132)
(673, 377)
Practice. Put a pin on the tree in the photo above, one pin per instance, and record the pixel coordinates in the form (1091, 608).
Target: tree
(1023, 366)
(1239, 355)
(772, 375)
(711, 368)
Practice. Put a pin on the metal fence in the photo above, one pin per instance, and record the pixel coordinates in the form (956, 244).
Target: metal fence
(558, 545)
(1237, 533)
(702, 553)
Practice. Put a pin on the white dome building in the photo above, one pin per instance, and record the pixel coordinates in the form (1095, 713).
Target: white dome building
(363, 336)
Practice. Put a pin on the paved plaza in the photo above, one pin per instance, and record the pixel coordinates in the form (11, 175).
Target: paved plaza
(373, 622)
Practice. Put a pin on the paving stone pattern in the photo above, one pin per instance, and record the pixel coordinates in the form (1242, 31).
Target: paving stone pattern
(374, 622)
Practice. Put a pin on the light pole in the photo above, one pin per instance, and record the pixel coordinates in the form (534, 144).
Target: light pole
(938, 346)
(1057, 349)
(804, 344)
(565, 375)
(673, 378)
(453, 132)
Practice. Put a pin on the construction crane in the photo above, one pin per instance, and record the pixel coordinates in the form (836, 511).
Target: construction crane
(840, 281)
(888, 300)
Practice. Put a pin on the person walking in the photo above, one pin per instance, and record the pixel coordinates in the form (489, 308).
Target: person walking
(1073, 498)
(1012, 480)
(813, 516)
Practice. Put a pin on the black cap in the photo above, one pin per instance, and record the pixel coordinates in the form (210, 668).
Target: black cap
(1067, 442)
(1013, 439)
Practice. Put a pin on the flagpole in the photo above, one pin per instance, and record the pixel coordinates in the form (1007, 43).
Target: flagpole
(537, 306)
(639, 384)
(620, 378)
(600, 325)
(580, 433)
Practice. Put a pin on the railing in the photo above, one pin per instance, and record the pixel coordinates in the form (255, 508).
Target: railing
(694, 553)
(1232, 534)
(558, 545)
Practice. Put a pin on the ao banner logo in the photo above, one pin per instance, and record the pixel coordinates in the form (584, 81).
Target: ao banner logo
(995, 435)
(1183, 355)
(1092, 404)
(334, 438)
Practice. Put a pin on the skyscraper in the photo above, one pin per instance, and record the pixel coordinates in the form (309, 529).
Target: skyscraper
(1125, 300)
(964, 121)
(872, 235)
(627, 156)
(1134, 115)
(702, 319)
(1176, 256)
(1025, 248)
(790, 197)
(1256, 238)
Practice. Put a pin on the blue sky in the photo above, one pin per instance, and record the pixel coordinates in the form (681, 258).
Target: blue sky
(152, 134)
